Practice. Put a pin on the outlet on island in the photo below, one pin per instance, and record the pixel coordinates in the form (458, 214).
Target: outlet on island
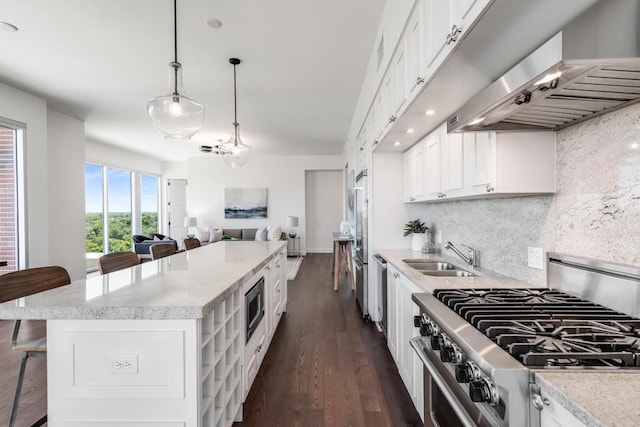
(535, 257)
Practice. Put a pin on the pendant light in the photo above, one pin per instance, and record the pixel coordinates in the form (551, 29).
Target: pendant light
(234, 152)
(174, 114)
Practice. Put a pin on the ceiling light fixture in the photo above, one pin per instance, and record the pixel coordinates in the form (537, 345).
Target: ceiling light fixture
(429, 112)
(410, 130)
(397, 143)
(235, 152)
(174, 114)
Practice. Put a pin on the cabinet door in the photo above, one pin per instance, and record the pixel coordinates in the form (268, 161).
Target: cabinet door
(409, 173)
(465, 12)
(480, 148)
(399, 92)
(437, 27)
(384, 103)
(554, 414)
(452, 180)
(415, 51)
(405, 328)
(432, 162)
(392, 312)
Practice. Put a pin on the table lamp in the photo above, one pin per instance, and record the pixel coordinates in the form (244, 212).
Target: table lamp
(292, 221)
(190, 221)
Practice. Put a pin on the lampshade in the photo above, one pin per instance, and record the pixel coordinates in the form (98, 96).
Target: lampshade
(292, 221)
(235, 153)
(174, 114)
(190, 221)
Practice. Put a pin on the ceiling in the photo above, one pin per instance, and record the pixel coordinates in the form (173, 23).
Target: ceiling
(303, 63)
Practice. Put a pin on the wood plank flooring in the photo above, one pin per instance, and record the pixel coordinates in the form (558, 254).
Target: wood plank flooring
(325, 365)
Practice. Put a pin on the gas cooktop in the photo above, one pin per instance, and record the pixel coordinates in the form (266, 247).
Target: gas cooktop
(547, 328)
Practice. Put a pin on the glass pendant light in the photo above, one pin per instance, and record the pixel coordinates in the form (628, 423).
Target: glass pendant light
(175, 114)
(234, 152)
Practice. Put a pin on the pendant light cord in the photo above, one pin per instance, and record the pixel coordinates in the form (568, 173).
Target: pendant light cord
(235, 105)
(175, 46)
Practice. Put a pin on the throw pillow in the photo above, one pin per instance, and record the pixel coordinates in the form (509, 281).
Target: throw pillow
(156, 238)
(202, 234)
(261, 234)
(273, 233)
(167, 238)
(215, 235)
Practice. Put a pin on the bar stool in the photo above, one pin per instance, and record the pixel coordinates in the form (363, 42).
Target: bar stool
(342, 255)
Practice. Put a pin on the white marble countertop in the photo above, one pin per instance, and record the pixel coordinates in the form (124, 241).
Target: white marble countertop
(484, 278)
(187, 285)
(596, 398)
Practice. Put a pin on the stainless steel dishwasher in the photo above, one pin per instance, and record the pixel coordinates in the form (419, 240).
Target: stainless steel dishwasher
(381, 274)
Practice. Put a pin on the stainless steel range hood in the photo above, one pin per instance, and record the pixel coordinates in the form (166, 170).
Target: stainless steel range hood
(591, 67)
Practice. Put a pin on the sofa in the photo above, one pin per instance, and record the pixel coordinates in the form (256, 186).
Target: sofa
(233, 234)
(141, 244)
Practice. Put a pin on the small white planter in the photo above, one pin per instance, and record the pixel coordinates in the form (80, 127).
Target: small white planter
(418, 241)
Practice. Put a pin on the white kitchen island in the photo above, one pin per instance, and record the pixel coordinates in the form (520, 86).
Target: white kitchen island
(160, 344)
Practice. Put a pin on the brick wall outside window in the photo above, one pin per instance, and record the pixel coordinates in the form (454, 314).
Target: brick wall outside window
(8, 223)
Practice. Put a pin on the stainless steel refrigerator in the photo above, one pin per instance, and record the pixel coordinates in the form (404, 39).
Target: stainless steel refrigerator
(361, 243)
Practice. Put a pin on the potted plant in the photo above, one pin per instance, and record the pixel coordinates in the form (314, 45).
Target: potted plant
(417, 230)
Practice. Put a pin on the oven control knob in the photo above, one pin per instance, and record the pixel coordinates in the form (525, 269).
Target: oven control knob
(483, 391)
(436, 342)
(467, 372)
(417, 321)
(447, 354)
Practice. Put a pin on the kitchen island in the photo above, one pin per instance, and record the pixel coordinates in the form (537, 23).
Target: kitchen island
(159, 344)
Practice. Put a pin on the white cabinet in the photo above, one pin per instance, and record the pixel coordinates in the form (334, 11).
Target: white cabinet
(393, 277)
(414, 182)
(509, 163)
(482, 164)
(276, 288)
(415, 61)
(553, 414)
(400, 329)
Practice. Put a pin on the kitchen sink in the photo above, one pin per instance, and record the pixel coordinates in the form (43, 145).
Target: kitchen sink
(430, 265)
(438, 268)
(449, 273)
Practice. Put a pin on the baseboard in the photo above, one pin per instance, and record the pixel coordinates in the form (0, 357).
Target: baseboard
(320, 250)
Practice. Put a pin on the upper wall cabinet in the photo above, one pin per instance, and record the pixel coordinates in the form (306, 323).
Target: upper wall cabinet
(482, 164)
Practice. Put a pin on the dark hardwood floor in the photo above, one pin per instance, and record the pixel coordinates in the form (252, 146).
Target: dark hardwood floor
(33, 403)
(325, 365)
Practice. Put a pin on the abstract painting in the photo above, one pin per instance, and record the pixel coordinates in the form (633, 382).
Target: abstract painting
(245, 203)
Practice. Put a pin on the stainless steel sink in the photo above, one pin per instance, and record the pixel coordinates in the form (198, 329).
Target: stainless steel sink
(449, 273)
(430, 265)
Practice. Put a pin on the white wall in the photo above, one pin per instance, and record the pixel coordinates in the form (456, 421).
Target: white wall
(112, 156)
(32, 111)
(284, 178)
(324, 200)
(66, 193)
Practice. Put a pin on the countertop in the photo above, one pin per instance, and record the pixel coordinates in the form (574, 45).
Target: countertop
(596, 398)
(187, 285)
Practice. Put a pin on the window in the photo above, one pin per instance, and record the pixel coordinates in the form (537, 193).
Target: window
(118, 203)
(119, 208)
(149, 204)
(12, 231)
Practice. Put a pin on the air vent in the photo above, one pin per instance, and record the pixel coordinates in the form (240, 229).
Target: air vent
(453, 120)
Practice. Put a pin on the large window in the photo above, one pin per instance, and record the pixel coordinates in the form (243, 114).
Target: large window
(119, 203)
(149, 204)
(12, 233)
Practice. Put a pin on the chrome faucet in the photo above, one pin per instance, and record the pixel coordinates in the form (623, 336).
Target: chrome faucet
(471, 254)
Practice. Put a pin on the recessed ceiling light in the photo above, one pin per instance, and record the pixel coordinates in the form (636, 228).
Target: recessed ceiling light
(634, 146)
(396, 143)
(429, 112)
(214, 23)
(8, 27)
(410, 130)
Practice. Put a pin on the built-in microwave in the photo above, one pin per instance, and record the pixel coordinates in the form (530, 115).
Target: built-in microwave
(254, 305)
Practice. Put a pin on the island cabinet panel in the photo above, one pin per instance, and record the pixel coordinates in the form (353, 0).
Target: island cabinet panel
(148, 372)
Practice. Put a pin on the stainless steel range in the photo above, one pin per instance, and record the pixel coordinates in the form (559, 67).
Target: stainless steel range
(481, 347)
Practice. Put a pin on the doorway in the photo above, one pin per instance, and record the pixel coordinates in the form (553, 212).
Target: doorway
(323, 206)
(176, 208)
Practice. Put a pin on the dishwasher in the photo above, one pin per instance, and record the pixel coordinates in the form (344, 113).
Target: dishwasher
(381, 275)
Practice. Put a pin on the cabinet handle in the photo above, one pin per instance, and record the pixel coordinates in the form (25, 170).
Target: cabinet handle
(361, 148)
(490, 188)
(392, 119)
(267, 268)
(277, 265)
(277, 291)
(258, 348)
(419, 80)
(449, 39)
(375, 142)
(411, 199)
(455, 32)
(395, 275)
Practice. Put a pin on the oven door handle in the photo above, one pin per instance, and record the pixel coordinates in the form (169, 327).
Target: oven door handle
(444, 388)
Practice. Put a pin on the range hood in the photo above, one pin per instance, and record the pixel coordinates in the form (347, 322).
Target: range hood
(589, 68)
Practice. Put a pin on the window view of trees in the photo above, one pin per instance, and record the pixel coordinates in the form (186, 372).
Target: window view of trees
(119, 210)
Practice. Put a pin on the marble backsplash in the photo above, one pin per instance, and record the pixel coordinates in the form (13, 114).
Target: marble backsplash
(595, 212)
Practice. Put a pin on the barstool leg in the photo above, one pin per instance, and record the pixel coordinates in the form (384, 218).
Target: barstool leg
(16, 397)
